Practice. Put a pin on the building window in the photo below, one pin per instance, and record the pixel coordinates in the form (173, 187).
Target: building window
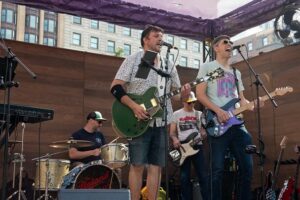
(76, 39)
(7, 33)
(183, 61)
(8, 16)
(49, 25)
(111, 46)
(49, 12)
(265, 41)
(94, 24)
(32, 21)
(126, 31)
(196, 46)
(171, 57)
(31, 38)
(183, 44)
(127, 49)
(94, 43)
(250, 46)
(170, 39)
(76, 20)
(49, 41)
(111, 28)
(196, 63)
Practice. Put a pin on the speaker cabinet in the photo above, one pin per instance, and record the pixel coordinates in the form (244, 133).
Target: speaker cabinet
(103, 194)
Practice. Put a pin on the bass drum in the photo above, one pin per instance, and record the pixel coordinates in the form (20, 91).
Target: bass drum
(96, 176)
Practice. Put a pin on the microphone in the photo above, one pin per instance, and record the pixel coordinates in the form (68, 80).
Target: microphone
(170, 46)
(238, 46)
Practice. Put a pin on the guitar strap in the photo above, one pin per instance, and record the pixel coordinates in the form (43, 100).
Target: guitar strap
(236, 80)
(161, 83)
(240, 116)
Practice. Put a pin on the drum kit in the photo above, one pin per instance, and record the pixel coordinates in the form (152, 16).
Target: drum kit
(55, 174)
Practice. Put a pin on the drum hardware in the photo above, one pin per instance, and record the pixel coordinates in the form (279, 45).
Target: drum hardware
(48, 164)
(114, 140)
(19, 158)
(12, 142)
(71, 143)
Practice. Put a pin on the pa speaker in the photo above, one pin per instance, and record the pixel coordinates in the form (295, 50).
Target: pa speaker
(103, 194)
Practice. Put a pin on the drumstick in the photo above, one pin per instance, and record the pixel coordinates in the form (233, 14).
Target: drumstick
(114, 140)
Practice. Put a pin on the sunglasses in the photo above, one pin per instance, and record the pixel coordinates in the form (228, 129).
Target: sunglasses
(227, 42)
(191, 102)
(99, 122)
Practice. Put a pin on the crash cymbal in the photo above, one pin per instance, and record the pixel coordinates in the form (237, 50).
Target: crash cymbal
(71, 143)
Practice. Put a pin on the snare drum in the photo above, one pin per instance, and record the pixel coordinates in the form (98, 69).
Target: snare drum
(57, 169)
(91, 176)
(114, 155)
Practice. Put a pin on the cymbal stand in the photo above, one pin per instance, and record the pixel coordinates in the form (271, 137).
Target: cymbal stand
(21, 159)
(46, 196)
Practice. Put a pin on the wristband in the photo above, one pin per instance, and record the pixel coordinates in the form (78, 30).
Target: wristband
(118, 91)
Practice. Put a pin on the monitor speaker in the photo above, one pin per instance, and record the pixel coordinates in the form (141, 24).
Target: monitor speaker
(103, 194)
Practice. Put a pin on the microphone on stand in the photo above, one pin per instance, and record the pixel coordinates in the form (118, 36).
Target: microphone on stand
(238, 46)
(170, 46)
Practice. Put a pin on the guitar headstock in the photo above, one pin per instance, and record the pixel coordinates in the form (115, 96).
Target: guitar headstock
(283, 142)
(283, 90)
(217, 73)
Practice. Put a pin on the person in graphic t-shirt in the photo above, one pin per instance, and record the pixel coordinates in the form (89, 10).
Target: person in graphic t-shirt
(186, 125)
(214, 95)
(90, 132)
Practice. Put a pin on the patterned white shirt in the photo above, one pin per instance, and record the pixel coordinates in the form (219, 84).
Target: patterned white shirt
(134, 85)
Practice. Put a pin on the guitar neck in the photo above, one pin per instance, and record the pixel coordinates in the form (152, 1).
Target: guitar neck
(177, 91)
(277, 169)
(251, 104)
(282, 146)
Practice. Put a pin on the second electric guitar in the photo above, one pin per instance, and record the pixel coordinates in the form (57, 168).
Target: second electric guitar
(216, 129)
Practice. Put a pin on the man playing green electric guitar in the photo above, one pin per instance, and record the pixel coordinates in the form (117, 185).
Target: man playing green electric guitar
(149, 148)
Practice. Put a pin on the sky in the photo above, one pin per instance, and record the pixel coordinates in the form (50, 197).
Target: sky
(225, 6)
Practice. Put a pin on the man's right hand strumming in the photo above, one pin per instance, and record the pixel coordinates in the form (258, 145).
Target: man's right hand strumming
(139, 112)
(223, 116)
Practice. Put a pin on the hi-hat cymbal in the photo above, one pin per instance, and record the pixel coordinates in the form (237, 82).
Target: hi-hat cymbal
(71, 143)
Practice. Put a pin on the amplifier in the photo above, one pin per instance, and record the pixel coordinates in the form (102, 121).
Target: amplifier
(84, 194)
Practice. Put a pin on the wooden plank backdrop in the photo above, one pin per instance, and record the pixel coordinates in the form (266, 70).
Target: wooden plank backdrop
(73, 83)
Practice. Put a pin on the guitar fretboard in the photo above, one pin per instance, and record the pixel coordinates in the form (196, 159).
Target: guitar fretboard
(177, 91)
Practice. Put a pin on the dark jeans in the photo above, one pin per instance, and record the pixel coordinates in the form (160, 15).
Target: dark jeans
(236, 139)
(198, 161)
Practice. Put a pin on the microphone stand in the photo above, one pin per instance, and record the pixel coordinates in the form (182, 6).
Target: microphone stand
(165, 120)
(261, 145)
(10, 58)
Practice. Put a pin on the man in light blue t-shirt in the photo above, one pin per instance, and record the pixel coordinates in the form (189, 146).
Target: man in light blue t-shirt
(214, 95)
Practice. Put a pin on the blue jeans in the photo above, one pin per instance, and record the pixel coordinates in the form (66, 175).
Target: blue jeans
(236, 139)
(198, 161)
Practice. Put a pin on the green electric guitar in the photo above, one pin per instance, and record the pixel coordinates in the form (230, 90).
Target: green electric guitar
(123, 119)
